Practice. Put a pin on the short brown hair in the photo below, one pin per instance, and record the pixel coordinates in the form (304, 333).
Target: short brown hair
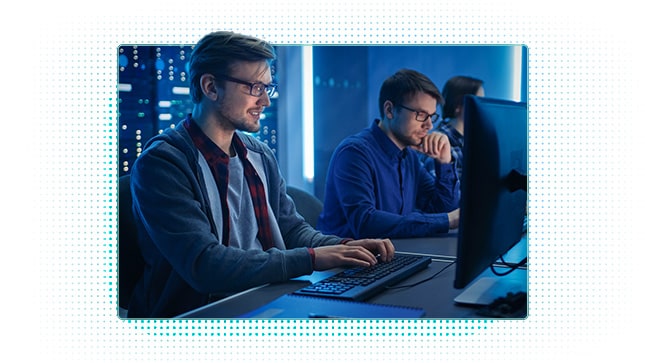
(217, 51)
(403, 85)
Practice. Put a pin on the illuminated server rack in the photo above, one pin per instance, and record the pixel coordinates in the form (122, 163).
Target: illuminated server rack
(153, 94)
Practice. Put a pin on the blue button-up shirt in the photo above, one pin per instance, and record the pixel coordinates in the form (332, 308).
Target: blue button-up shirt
(376, 190)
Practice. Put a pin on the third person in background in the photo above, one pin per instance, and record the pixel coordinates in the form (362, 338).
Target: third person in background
(452, 123)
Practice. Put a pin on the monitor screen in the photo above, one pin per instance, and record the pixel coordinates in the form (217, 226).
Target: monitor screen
(493, 184)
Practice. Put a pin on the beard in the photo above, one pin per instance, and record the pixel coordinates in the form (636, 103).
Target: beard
(246, 122)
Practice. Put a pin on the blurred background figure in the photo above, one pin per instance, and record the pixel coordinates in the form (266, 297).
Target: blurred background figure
(452, 122)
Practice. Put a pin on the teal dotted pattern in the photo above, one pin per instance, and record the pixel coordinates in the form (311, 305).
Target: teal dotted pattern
(584, 196)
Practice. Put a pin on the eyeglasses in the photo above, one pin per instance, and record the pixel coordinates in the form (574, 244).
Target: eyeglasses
(255, 88)
(422, 116)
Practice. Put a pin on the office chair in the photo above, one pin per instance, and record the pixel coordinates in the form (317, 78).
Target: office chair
(307, 204)
(130, 262)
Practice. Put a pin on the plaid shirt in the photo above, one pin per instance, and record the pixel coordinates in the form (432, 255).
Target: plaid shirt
(456, 143)
(218, 164)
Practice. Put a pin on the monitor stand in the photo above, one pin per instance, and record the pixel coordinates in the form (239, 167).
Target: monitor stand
(485, 290)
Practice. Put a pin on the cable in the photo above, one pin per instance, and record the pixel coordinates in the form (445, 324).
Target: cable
(422, 281)
(512, 266)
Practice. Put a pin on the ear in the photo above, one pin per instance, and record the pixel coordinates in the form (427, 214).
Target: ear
(207, 84)
(388, 109)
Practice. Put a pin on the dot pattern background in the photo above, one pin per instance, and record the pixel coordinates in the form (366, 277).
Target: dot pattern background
(59, 148)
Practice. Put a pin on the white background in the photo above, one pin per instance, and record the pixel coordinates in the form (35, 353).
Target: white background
(59, 150)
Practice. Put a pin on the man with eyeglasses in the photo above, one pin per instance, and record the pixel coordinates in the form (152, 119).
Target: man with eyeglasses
(209, 200)
(376, 185)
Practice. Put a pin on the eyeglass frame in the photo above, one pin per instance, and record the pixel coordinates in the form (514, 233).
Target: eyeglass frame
(433, 117)
(268, 88)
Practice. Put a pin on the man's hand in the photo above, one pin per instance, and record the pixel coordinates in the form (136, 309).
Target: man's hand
(361, 252)
(453, 219)
(437, 146)
(383, 248)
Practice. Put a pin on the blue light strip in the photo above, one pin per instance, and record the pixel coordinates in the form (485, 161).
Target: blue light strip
(517, 73)
(307, 114)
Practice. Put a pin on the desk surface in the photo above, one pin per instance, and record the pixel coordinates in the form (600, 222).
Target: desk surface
(442, 247)
(436, 296)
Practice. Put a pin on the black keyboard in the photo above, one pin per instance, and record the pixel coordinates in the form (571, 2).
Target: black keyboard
(360, 283)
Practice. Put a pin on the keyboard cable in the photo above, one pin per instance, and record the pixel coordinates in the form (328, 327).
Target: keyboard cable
(422, 281)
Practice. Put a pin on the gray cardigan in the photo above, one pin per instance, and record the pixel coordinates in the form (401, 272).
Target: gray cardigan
(178, 215)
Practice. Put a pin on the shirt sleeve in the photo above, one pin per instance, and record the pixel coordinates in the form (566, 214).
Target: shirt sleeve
(439, 193)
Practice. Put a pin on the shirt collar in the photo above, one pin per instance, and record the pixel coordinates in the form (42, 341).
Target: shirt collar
(387, 145)
(210, 150)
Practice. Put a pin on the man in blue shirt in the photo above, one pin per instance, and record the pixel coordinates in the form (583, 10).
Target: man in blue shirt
(376, 185)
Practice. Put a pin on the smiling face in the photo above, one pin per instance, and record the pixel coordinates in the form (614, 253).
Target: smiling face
(237, 108)
(402, 126)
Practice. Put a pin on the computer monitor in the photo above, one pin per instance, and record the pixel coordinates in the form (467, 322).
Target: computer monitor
(493, 184)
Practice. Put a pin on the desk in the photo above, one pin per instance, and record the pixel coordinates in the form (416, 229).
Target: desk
(441, 247)
(444, 247)
(435, 296)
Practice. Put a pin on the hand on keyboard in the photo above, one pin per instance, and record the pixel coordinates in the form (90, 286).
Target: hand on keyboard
(359, 283)
(383, 249)
(354, 253)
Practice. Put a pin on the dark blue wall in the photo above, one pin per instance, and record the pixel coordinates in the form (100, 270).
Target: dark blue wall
(340, 107)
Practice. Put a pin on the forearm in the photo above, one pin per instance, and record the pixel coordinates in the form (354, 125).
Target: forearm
(447, 193)
(379, 224)
(223, 269)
